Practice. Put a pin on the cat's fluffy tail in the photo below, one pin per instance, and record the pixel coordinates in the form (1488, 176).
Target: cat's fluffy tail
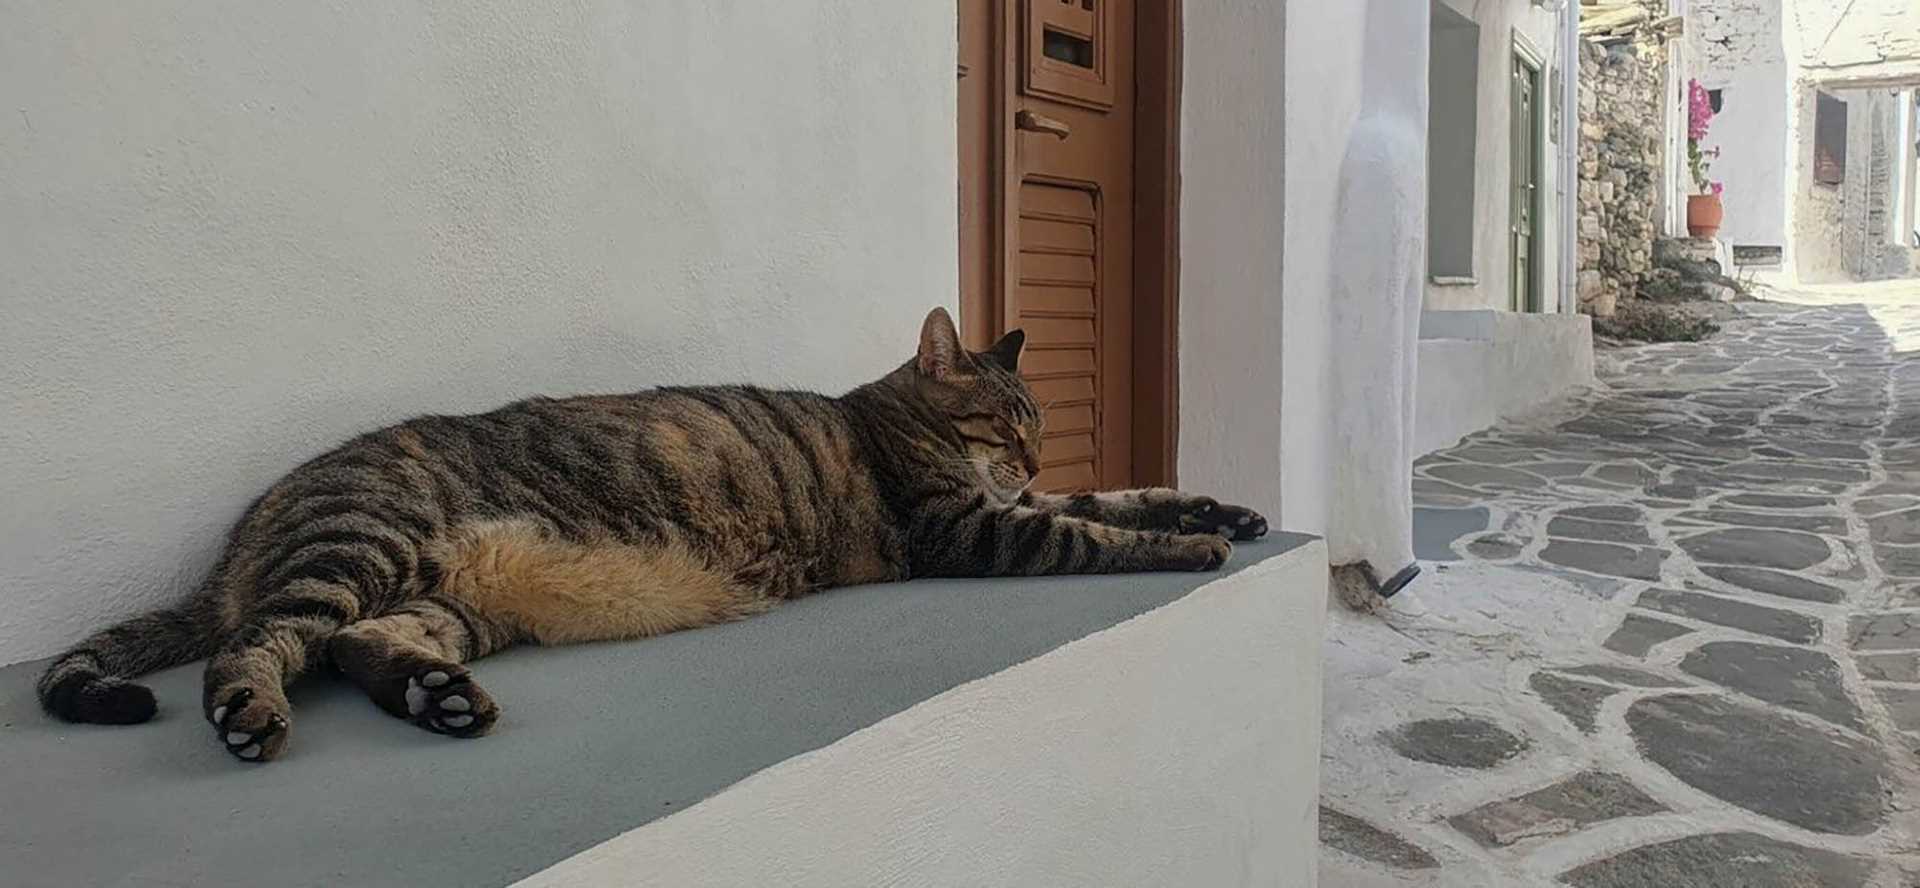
(92, 682)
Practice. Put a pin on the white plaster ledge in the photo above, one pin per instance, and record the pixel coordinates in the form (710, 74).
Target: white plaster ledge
(1180, 747)
(1479, 366)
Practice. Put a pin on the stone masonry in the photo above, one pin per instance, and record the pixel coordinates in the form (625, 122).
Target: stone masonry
(1620, 130)
(1870, 253)
(1731, 35)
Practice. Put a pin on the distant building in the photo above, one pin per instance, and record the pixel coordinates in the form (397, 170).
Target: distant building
(1816, 107)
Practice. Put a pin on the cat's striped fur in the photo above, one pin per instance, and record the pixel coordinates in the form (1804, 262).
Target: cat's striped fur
(411, 551)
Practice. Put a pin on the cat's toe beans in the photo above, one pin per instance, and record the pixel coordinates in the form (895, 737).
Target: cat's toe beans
(450, 703)
(416, 697)
(250, 729)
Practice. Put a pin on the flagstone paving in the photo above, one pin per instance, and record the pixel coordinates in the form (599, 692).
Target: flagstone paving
(1716, 679)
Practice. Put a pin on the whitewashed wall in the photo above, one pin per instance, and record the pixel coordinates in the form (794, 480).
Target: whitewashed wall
(1108, 762)
(1738, 47)
(1354, 271)
(1232, 225)
(1856, 37)
(1500, 21)
(234, 233)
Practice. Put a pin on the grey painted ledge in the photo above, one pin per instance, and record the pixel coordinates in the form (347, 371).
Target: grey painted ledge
(594, 741)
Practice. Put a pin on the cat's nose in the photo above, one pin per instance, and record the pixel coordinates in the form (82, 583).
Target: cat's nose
(1031, 459)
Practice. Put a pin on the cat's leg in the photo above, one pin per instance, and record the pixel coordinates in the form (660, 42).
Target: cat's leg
(1155, 508)
(281, 637)
(410, 663)
(974, 538)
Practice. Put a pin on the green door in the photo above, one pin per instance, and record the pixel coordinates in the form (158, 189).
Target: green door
(1526, 184)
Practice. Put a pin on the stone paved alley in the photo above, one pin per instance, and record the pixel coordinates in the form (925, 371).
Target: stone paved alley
(1669, 633)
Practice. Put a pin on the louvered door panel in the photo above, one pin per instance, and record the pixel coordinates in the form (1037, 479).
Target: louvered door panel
(1058, 304)
(1047, 157)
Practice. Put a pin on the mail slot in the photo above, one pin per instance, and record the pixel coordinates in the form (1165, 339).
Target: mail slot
(1067, 43)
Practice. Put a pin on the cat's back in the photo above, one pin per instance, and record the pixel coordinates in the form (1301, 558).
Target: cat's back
(734, 467)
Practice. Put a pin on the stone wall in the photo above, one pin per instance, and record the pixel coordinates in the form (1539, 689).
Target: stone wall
(1620, 162)
(1873, 253)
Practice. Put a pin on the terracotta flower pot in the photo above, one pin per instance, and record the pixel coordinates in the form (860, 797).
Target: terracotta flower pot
(1703, 214)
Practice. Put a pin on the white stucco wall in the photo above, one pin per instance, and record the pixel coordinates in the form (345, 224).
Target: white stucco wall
(233, 233)
(1178, 748)
(1858, 39)
(1500, 21)
(1738, 47)
(1232, 222)
(1479, 367)
(1355, 248)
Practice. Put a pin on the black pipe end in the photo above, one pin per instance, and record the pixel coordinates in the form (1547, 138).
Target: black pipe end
(1399, 581)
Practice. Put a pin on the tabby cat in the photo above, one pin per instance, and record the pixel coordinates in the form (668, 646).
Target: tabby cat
(410, 551)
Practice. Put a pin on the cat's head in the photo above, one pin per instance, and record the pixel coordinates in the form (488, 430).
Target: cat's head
(989, 406)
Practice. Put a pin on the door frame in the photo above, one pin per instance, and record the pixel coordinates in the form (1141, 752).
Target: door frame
(1530, 57)
(1156, 235)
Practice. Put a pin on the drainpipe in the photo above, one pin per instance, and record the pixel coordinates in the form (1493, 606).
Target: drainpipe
(1679, 71)
(1569, 158)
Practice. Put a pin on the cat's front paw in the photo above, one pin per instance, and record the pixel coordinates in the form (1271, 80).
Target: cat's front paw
(1203, 551)
(1210, 516)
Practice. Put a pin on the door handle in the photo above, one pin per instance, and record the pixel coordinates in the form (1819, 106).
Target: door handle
(1040, 123)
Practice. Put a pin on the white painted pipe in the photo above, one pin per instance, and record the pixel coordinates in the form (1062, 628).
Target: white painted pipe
(1569, 158)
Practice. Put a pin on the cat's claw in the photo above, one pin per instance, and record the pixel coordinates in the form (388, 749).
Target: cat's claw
(1207, 515)
(253, 729)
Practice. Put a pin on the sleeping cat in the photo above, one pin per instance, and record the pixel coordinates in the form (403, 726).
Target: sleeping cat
(410, 551)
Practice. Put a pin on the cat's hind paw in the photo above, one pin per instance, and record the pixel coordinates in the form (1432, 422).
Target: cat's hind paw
(254, 727)
(444, 700)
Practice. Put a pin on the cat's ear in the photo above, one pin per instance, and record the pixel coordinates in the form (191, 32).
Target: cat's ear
(1006, 352)
(940, 352)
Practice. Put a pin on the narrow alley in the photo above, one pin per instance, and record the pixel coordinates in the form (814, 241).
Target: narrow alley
(1671, 633)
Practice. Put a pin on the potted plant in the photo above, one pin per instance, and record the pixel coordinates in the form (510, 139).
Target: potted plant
(1704, 211)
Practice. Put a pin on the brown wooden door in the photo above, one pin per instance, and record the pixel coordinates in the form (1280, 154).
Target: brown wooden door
(1047, 206)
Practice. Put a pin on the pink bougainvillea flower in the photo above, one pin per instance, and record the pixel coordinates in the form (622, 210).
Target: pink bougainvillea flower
(1699, 110)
